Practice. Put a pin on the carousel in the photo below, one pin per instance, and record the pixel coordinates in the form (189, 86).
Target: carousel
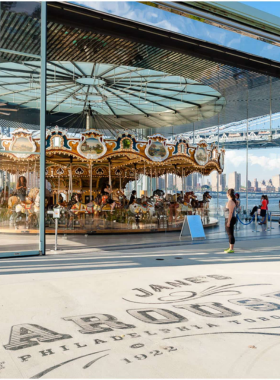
(87, 176)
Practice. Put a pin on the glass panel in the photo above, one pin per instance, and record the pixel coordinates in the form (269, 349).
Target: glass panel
(188, 26)
(19, 126)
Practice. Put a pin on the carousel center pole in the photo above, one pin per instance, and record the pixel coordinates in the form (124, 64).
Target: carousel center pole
(165, 183)
(110, 179)
(157, 179)
(5, 185)
(144, 175)
(34, 175)
(70, 180)
(151, 182)
(90, 181)
(135, 178)
(58, 188)
(27, 174)
(175, 181)
(183, 180)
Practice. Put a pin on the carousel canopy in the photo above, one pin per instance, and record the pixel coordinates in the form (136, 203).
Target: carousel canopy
(118, 97)
(82, 36)
(125, 155)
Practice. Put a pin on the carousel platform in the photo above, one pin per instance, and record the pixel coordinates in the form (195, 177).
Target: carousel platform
(110, 228)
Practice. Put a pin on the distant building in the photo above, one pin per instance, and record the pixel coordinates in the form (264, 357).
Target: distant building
(170, 181)
(223, 178)
(276, 182)
(161, 183)
(189, 182)
(234, 181)
(215, 177)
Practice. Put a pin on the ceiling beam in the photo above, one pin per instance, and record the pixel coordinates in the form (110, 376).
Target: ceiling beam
(108, 105)
(163, 96)
(151, 101)
(181, 92)
(126, 101)
(128, 30)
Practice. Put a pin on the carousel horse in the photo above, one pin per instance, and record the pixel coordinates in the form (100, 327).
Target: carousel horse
(119, 198)
(79, 209)
(13, 201)
(136, 208)
(33, 194)
(206, 197)
(159, 193)
(173, 209)
(189, 197)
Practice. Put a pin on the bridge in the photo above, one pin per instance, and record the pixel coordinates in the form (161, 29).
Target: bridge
(263, 132)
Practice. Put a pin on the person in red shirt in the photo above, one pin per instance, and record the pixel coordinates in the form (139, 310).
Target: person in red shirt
(263, 208)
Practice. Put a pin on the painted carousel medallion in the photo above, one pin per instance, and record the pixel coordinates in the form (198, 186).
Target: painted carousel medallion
(92, 145)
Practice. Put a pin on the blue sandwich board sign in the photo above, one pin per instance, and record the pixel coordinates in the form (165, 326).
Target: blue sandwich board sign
(193, 228)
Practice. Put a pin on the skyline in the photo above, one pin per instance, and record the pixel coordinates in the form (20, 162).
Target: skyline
(263, 163)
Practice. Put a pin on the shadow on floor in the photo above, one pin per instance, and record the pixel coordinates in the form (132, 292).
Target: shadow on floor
(143, 258)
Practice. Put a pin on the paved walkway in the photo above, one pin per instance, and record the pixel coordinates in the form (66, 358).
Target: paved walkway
(14, 243)
(187, 311)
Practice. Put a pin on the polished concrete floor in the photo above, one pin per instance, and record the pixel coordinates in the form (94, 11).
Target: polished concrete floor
(73, 243)
(188, 311)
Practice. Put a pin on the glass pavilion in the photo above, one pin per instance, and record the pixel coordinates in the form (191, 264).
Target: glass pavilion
(60, 70)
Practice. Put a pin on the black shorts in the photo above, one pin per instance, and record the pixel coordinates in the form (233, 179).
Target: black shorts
(110, 201)
(263, 213)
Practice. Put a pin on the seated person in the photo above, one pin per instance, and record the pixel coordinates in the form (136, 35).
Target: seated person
(108, 191)
(132, 197)
(21, 188)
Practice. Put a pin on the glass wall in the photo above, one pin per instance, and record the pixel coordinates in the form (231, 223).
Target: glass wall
(20, 81)
(108, 194)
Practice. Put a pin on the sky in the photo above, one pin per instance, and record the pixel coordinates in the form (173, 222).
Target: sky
(272, 7)
(263, 163)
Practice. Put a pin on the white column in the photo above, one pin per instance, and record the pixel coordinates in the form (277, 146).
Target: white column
(135, 179)
(157, 180)
(110, 179)
(151, 185)
(90, 183)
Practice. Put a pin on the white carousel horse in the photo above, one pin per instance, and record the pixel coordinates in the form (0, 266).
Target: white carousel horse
(33, 194)
(136, 208)
(13, 201)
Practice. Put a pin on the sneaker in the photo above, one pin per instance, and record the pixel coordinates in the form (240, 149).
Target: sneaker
(229, 251)
(225, 250)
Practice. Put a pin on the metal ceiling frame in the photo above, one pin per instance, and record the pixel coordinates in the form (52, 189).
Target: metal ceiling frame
(106, 24)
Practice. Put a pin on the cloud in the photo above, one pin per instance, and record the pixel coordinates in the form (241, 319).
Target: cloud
(238, 158)
(138, 12)
(235, 158)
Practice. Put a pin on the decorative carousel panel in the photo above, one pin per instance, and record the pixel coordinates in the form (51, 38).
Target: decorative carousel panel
(156, 149)
(100, 171)
(56, 171)
(21, 145)
(127, 142)
(80, 171)
(201, 154)
(181, 146)
(92, 145)
(57, 139)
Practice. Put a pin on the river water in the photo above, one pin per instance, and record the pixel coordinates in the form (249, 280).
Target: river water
(253, 200)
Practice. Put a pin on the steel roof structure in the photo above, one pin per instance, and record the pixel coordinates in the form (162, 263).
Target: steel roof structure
(262, 133)
(79, 35)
